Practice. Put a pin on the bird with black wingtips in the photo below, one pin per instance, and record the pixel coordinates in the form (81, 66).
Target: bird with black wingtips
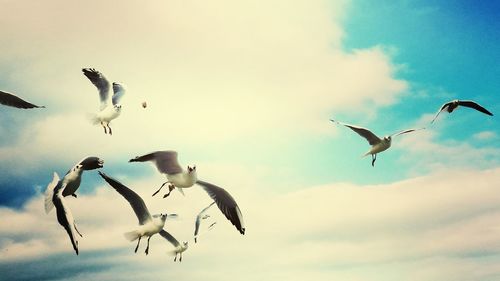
(110, 109)
(148, 225)
(166, 162)
(73, 178)
(378, 144)
(454, 104)
(64, 215)
(12, 100)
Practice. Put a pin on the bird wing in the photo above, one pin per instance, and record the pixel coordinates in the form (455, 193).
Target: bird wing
(406, 131)
(443, 107)
(140, 209)
(118, 92)
(100, 82)
(166, 161)
(365, 133)
(65, 217)
(474, 105)
(170, 238)
(15, 101)
(49, 192)
(198, 220)
(226, 204)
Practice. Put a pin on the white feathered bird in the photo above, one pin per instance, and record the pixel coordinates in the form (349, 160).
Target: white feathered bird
(110, 107)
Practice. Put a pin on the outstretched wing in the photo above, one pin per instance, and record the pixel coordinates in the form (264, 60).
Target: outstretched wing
(15, 101)
(226, 204)
(140, 209)
(170, 238)
(65, 217)
(118, 92)
(166, 161)
(474, 105)
(49, 192)
(365, 133)
(100, 82)
(406, 131)
(198, 221)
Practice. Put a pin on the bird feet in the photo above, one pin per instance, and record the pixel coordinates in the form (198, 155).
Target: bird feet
(170, 188)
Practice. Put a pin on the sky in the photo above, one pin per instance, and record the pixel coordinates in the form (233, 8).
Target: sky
(245, 91)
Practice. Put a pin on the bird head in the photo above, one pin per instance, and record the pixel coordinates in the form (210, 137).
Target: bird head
(387, 138)
(91, 163)
(191, 169)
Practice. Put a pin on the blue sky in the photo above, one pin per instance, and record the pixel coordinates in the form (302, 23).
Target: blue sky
(246, 92)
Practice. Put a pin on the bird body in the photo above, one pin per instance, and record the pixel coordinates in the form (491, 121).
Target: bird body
(150, 228)
(183, 180)
(383, 145)
(110, 108)
(72, 180)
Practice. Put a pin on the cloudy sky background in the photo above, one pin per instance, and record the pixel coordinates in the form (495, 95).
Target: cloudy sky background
(245, 90)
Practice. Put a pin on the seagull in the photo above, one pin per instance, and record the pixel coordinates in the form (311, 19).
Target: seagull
(166, 162)
(378, 145)
(199, 217)
(108, 111)
(179, 248)
(452, 105)
(15, 101)
(71, 181)
(64, 216)
(148, 225)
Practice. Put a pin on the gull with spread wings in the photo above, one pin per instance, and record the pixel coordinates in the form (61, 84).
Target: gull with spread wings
(454, 104)
(378, 144)
(199, 217)
(148, 225)
(71, 181)
(108, 111)
(166, 162)
(12, 100)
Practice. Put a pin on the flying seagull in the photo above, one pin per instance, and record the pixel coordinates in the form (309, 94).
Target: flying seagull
(148, 225)
(199, 217)
(15, 101)
(108, 111)
(64, 216)
(166, 162)
(378, 145)
(71, 181)
(179, 248)
(452, 105)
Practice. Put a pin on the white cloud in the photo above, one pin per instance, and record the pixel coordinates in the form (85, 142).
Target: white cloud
(485, 135)
(339, 230)
(219, 71)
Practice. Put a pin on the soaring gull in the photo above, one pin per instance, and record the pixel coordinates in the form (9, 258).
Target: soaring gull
(179, 248)
(148, 225)
(108, 111)
(452, 105)
(64, 216)
(15, 101)
(378, 144)
(166, 162)
(71, 181)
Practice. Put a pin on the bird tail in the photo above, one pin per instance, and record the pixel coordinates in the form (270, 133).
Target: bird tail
(132, 235)
(49, 193)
